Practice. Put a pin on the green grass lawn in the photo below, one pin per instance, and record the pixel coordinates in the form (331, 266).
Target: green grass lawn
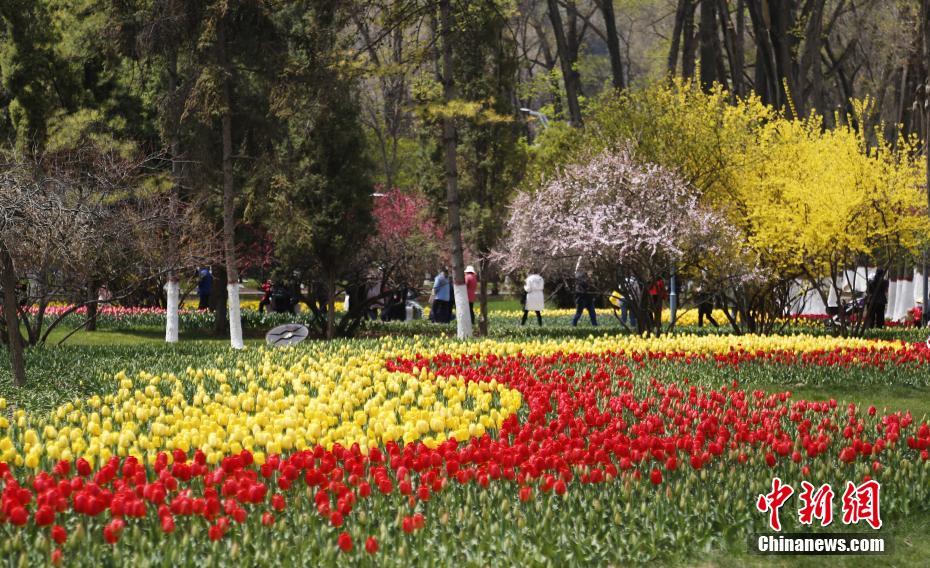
(145, 336)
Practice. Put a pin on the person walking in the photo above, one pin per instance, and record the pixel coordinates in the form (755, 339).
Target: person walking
(104, 295)
(584, 298)
(441, 308)
(533, 297)
(471, 284)
(628, 302)
(877, 293)
(705, 306)
(266, 296)
(204, 288)
(657, 295)
(373, 297)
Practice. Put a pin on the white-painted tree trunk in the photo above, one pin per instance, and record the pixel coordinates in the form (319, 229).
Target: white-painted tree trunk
(173, 289)
(462, 314)
(918, 287)
(892, 298)
(907, 298)
(235, 317)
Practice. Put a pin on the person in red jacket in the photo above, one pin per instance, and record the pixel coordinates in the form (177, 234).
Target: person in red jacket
(266, 296)
(657, 294)
(471, 284)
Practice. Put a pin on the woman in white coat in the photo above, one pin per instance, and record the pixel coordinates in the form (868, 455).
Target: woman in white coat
(534, 298)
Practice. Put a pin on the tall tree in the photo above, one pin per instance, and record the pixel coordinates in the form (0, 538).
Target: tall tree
(317, 199)
(711, 56)
(450, 157)
(490, 151)
(221, 59)
(925, 34)
(28, 71)
(568, 59)
(159, 38)
(33, 75)
(613, 43)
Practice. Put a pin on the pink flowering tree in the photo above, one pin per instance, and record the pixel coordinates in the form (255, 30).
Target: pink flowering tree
(631, 223)
(408, 244)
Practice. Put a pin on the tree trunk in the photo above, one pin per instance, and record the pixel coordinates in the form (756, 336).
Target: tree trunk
(811, 67)
(784, 44)
(218, 302)
(570, 75)
(676, 36)
(733, 47)
(689, 46)
(739, 48)
(173, 285)
(708, 35)
(330, 306)
(229, 198)
(925, 28)
(613, 43)
(92, 307)
(483, 297)
(15, 339)
(450, 150)
(172, 289)
(767, 83)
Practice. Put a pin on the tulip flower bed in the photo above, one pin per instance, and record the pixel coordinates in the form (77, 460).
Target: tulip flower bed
(600, 451)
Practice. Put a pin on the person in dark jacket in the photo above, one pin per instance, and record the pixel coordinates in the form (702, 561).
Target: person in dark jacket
(204, 288)
(877, 293)
(266, 297)
(705, 306)
(281, 300)
(584, 298)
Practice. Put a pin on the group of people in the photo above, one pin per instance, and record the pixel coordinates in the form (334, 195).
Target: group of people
(277, 298)
(442, 298)
(872, 307)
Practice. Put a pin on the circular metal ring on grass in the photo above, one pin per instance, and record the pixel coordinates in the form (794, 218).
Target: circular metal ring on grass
(287, 334)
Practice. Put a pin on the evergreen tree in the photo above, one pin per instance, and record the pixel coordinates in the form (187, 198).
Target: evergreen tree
(318, 202)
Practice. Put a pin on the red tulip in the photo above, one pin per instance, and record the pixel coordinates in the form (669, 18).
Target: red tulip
(59, 534)
(371, 545)
(113, 530)
(18, 516)
(345, 542)
(655, 476)
(83, 467)
(44, 516)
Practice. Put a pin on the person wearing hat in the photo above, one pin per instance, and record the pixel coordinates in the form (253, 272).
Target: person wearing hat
(471, 283)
